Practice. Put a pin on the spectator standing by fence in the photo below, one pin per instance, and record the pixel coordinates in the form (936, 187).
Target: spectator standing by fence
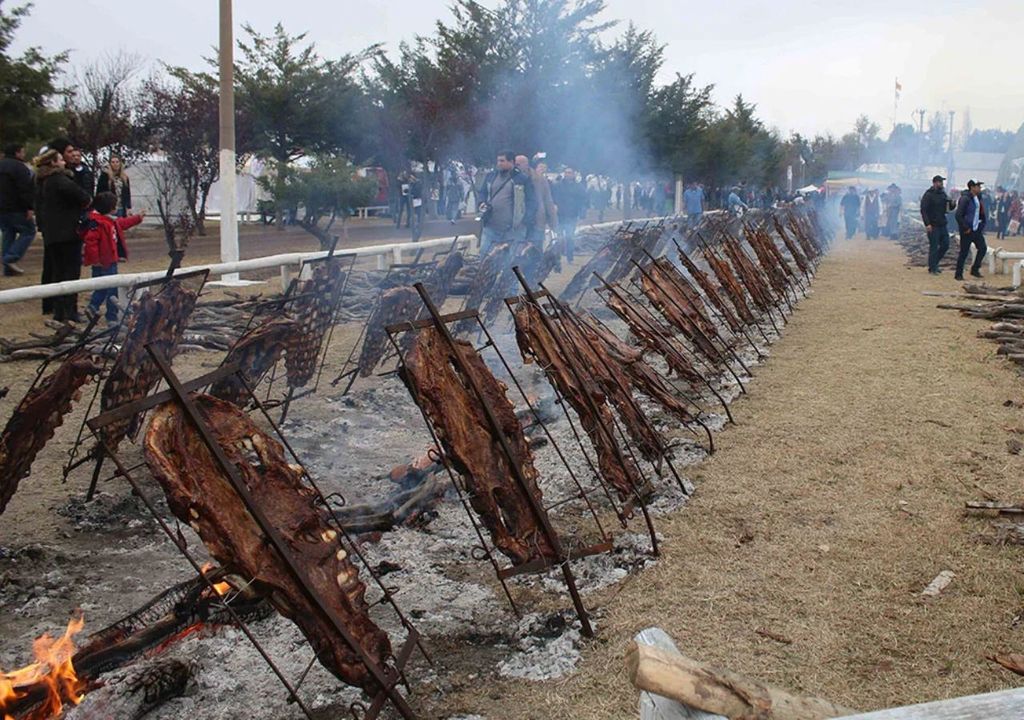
(114, 179)
(17, 202)
(502, 204)
(893, 207)
(571, 200)
(693, 202)
(59, 204)
(103, 246)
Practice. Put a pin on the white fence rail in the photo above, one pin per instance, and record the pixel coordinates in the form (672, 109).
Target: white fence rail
(286, 262)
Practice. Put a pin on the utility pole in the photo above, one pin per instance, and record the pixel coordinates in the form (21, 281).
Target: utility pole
(920, 112)
(228, 195)
(949, 171)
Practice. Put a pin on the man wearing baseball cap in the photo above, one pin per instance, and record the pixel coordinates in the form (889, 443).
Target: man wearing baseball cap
(934, 206)
(970, 218)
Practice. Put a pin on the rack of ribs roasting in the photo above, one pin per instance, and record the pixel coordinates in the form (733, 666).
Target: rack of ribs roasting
(37, 417)
(159, 319)
(537, 343)
(256, 353)
(461, 426)
(712, 293)
(199, 493)
(654, 336)
(316, 302)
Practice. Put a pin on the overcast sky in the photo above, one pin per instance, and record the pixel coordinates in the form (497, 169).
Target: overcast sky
(810, 67)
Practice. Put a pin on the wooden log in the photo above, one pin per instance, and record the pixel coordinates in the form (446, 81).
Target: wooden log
(131, 693)
(716, 691)
(1004, 705)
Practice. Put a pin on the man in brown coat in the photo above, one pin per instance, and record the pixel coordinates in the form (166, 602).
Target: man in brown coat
(540, 208)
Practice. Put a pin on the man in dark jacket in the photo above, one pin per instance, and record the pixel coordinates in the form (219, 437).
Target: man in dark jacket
(17, 199)
(571, 200)
(502, 204)
(934, 206)
(970, 219)
(850, 207)
(59, 203)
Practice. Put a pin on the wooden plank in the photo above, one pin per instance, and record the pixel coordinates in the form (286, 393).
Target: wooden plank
(1003, 705)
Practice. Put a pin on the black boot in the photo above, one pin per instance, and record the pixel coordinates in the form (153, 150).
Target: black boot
(975, 273)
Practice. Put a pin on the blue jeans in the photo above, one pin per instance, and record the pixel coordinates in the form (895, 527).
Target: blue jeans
(18, 233)
(568, 228)
(109, 295)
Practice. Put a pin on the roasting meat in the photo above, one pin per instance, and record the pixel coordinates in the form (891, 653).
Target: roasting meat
(615, 260)
(712, 293)
(731, 285)
(36, 418)
(489, 271)
(199, 493)
(643, 377)
(798, 255)
(770, 268)
(400, 304)
(159, 319)
(753, 280)
(654, 336)
(589, 350)
(678, 311)
(316, 301)
(256, 353)
(537, 343)
(456, 415)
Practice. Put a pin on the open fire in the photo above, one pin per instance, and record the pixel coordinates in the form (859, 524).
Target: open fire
(52, 677)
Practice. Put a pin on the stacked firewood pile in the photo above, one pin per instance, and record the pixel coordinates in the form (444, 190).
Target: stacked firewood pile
(1005, 307)
(914, 241)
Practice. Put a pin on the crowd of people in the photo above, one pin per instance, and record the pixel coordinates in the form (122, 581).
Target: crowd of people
(82, 221)
(876, 212)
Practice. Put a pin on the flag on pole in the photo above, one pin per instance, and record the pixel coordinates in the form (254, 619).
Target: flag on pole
(899, 89)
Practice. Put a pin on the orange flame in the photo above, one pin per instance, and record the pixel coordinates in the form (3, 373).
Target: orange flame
(221, 588)
(52, 670)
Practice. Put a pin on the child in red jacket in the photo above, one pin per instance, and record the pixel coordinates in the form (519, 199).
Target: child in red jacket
(103, 246)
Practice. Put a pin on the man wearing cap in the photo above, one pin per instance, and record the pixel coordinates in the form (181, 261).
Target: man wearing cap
(970, 218)
(934, 206)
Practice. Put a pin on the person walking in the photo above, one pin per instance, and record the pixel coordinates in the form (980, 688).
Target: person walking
(693, 203)
(934, 206)
(415, 206)
(502, 204)
(872, 214)
(1003, 201)
(114, 179)
(893, 207)
(17, 204)
(849, 206)
(547, 211)
(571, 201)
(103, 246)
(403, 200)
(59, 204)
(970, 219)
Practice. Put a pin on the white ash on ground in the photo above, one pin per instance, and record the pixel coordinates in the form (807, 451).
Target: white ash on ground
(547, 647)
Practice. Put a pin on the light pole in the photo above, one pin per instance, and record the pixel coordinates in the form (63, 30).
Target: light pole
(229, 196)
(949, 171)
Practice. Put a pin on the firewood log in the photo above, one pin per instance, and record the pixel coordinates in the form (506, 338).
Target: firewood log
(131, 693)
(716, 691)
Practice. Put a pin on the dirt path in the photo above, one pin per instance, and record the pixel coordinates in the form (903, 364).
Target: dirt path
(827, 511)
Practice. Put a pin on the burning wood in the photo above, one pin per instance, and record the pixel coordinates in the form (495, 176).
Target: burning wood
(37, 417)
(200, 494)
(131, 693)
(40, 690)
(470, 446)
(159, 319)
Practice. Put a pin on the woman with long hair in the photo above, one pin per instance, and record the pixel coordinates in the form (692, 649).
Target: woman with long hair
(115, 180)
(59, 205)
